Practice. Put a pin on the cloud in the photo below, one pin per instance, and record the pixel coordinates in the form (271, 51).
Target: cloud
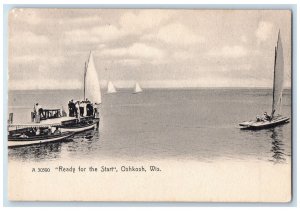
(145, 44)
(130, 23)
(44, 83)
(27, 16)
(97, 34)
(79, 36)
(137, 50)
(264, 30)
(182, 55)
(229, 52)
(107, 32)
(144, 19)
(28, 39)
(244, 39)
(129, 62)
(53, 60)
(87, 20)
(177, 34)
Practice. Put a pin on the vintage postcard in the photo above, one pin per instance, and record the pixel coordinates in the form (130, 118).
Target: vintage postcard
(175, 105)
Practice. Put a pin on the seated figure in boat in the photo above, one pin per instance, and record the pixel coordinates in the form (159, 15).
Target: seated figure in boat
(37, 131)
(23, 136)
(259, 118)
(57, 131)
(46, 131)
(49, 130)
(266, 117)
(31, 132)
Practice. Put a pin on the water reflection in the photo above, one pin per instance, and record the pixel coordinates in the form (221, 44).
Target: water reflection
(39, 152)
(271, 145)
(278, 152)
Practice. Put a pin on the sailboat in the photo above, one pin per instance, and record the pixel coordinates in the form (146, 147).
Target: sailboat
(111, 88)
(275, 118)
(137, 89)
(91, 93)
(91, 83)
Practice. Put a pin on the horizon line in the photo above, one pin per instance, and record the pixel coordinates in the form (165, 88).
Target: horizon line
(209, 87)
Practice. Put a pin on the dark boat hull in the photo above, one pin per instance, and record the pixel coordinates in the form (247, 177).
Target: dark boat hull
(19, 141)
(80, 127)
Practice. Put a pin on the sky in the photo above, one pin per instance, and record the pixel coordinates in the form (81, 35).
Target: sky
(157, 48)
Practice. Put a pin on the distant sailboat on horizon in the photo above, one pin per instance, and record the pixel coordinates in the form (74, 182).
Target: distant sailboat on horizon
(111, 88)
(137, 89)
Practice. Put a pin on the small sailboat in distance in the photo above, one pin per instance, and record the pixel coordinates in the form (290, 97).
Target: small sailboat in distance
(111, 88)
(275, 118)
(137, 89)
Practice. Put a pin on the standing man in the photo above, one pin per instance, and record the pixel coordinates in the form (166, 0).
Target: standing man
(70, 108)
(81, 108)
(73, 109)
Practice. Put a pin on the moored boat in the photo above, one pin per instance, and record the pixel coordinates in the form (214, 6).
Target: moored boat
(80, 125)
(28, 136)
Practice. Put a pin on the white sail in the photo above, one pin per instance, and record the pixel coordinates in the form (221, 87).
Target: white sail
(278, 77)
(91, 82)
(111, 88)
(137, 88)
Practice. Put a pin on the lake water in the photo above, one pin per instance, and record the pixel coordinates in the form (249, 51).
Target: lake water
(184, 124)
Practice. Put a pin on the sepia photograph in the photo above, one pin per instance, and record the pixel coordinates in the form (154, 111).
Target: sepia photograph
(159, 105)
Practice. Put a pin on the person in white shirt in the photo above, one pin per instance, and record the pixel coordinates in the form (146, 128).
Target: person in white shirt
(38, 109)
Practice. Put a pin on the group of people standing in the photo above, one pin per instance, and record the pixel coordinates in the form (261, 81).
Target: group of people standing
(83, 108)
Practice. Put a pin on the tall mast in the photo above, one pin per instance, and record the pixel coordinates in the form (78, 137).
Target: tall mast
(273, 103)
(274, 77)
(84, 77)
(85, 69)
